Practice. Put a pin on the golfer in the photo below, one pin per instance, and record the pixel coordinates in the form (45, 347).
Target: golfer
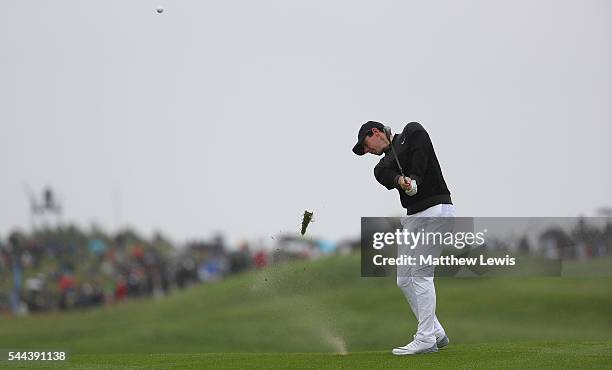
(411, 167)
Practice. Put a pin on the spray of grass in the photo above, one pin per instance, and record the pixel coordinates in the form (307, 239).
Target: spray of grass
(274, 282)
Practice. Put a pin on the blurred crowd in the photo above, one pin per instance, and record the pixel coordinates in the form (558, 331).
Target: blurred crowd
(66, 268)
(583, 241)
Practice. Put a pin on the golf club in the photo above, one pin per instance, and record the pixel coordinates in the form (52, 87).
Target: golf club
(388, 134)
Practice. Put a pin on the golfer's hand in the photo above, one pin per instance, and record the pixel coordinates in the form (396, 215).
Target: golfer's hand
(404, 183)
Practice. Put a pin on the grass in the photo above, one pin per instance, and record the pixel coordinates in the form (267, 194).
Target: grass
(542, 355)
(299, 315)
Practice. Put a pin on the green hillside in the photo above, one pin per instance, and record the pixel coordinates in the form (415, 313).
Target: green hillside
(323, 306)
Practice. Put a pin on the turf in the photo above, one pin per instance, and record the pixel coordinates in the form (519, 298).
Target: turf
(542, 355)
(324, 307)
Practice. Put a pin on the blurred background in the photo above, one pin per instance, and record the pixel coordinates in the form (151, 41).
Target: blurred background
(62, 267)
(156, 167)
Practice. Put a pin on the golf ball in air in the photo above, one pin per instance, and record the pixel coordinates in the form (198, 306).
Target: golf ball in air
(159, 9)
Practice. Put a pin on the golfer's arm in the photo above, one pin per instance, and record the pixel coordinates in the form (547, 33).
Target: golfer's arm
(386, 176)
(419, 148)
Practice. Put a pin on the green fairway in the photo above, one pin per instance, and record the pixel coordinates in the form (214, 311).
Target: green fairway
(541, 355)
(324, 307)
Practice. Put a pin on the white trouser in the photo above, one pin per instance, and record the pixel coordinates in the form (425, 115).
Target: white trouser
(417, 282)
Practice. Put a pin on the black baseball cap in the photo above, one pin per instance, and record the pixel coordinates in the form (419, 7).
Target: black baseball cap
(365, 129)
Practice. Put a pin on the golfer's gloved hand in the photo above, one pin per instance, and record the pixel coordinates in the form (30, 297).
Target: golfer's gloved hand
(408, 185)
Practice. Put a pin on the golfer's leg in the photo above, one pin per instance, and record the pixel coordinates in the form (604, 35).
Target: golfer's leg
(447, 212)
(404, 273)
(438, 329)
(425, 293)
(423, 280)
(404, 276)
(405, 285)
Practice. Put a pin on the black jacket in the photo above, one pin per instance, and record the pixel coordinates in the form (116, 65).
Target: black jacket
(419, 162)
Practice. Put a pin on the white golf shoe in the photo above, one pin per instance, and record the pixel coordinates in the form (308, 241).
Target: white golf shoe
(415, 347)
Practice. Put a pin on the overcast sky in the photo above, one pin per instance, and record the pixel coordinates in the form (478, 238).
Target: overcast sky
(237, 116)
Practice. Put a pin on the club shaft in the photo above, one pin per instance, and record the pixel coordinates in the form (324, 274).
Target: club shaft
(397, 160)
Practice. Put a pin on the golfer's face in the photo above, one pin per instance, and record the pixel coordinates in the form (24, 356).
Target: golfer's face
(375, 143)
